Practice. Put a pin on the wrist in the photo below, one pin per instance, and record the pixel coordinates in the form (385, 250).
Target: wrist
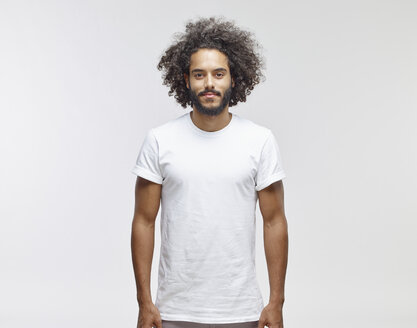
(277, 302)
(144, 301)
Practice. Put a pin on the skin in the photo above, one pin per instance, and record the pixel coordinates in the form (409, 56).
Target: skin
(205, 66)
(209, 71)
(147, 200)
(275, 229)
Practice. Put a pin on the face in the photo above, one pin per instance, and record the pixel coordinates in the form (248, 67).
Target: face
(209, 81)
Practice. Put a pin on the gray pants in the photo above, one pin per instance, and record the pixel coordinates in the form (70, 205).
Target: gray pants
(190, 324)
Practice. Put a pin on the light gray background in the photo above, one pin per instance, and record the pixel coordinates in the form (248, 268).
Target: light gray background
(79, 89)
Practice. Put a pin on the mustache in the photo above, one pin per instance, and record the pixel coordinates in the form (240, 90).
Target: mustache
(217, 93)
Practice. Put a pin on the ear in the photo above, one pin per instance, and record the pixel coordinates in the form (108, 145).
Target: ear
(186, 81)
(233, 82)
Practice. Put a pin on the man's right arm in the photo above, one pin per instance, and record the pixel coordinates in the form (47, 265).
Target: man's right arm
(147, 200)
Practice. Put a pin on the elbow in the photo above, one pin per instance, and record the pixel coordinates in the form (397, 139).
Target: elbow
(143, 221)
(274, 221)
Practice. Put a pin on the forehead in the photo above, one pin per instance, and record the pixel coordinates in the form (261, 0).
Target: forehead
(208, 59)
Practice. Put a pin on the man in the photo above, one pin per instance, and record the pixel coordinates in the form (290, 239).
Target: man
(208, 168)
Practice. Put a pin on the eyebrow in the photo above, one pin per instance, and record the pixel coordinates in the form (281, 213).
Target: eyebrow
(216, 70)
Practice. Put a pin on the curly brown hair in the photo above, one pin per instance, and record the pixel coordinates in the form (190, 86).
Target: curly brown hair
(239, 46)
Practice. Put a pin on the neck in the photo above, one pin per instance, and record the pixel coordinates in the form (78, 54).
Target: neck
(211, 123)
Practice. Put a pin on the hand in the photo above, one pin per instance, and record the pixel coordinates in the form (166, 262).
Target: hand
(149, 316)
(271, 316)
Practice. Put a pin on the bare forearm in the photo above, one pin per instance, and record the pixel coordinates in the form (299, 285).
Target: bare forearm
(142, 244)
(276, 253)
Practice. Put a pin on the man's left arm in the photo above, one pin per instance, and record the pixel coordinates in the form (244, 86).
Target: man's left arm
(271, 205)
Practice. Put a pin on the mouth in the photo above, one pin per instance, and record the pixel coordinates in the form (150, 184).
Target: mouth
(209, 95)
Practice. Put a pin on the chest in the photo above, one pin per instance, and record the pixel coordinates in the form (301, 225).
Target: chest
(217, 163)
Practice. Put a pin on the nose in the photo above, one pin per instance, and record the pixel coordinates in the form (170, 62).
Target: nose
(209, 82)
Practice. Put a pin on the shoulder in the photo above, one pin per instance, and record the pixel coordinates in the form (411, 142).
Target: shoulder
(253, 129)
(168, 128)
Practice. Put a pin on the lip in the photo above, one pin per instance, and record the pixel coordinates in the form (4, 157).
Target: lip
(209, 95)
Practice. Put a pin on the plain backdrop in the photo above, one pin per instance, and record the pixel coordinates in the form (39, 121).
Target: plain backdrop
(79, 90)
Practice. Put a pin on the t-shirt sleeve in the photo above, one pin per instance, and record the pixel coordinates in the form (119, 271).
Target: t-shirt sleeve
(147, 162)
(270, 167)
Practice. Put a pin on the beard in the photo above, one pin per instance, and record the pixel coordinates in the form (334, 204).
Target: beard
(211, 111)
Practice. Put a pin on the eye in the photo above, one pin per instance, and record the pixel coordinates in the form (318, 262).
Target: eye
(198, 75)
(219, 74)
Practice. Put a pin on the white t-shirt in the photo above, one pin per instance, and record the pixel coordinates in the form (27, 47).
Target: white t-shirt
(209, 193)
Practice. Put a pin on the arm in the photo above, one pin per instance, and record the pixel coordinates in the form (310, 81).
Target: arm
(271, 204)
(147, 200)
